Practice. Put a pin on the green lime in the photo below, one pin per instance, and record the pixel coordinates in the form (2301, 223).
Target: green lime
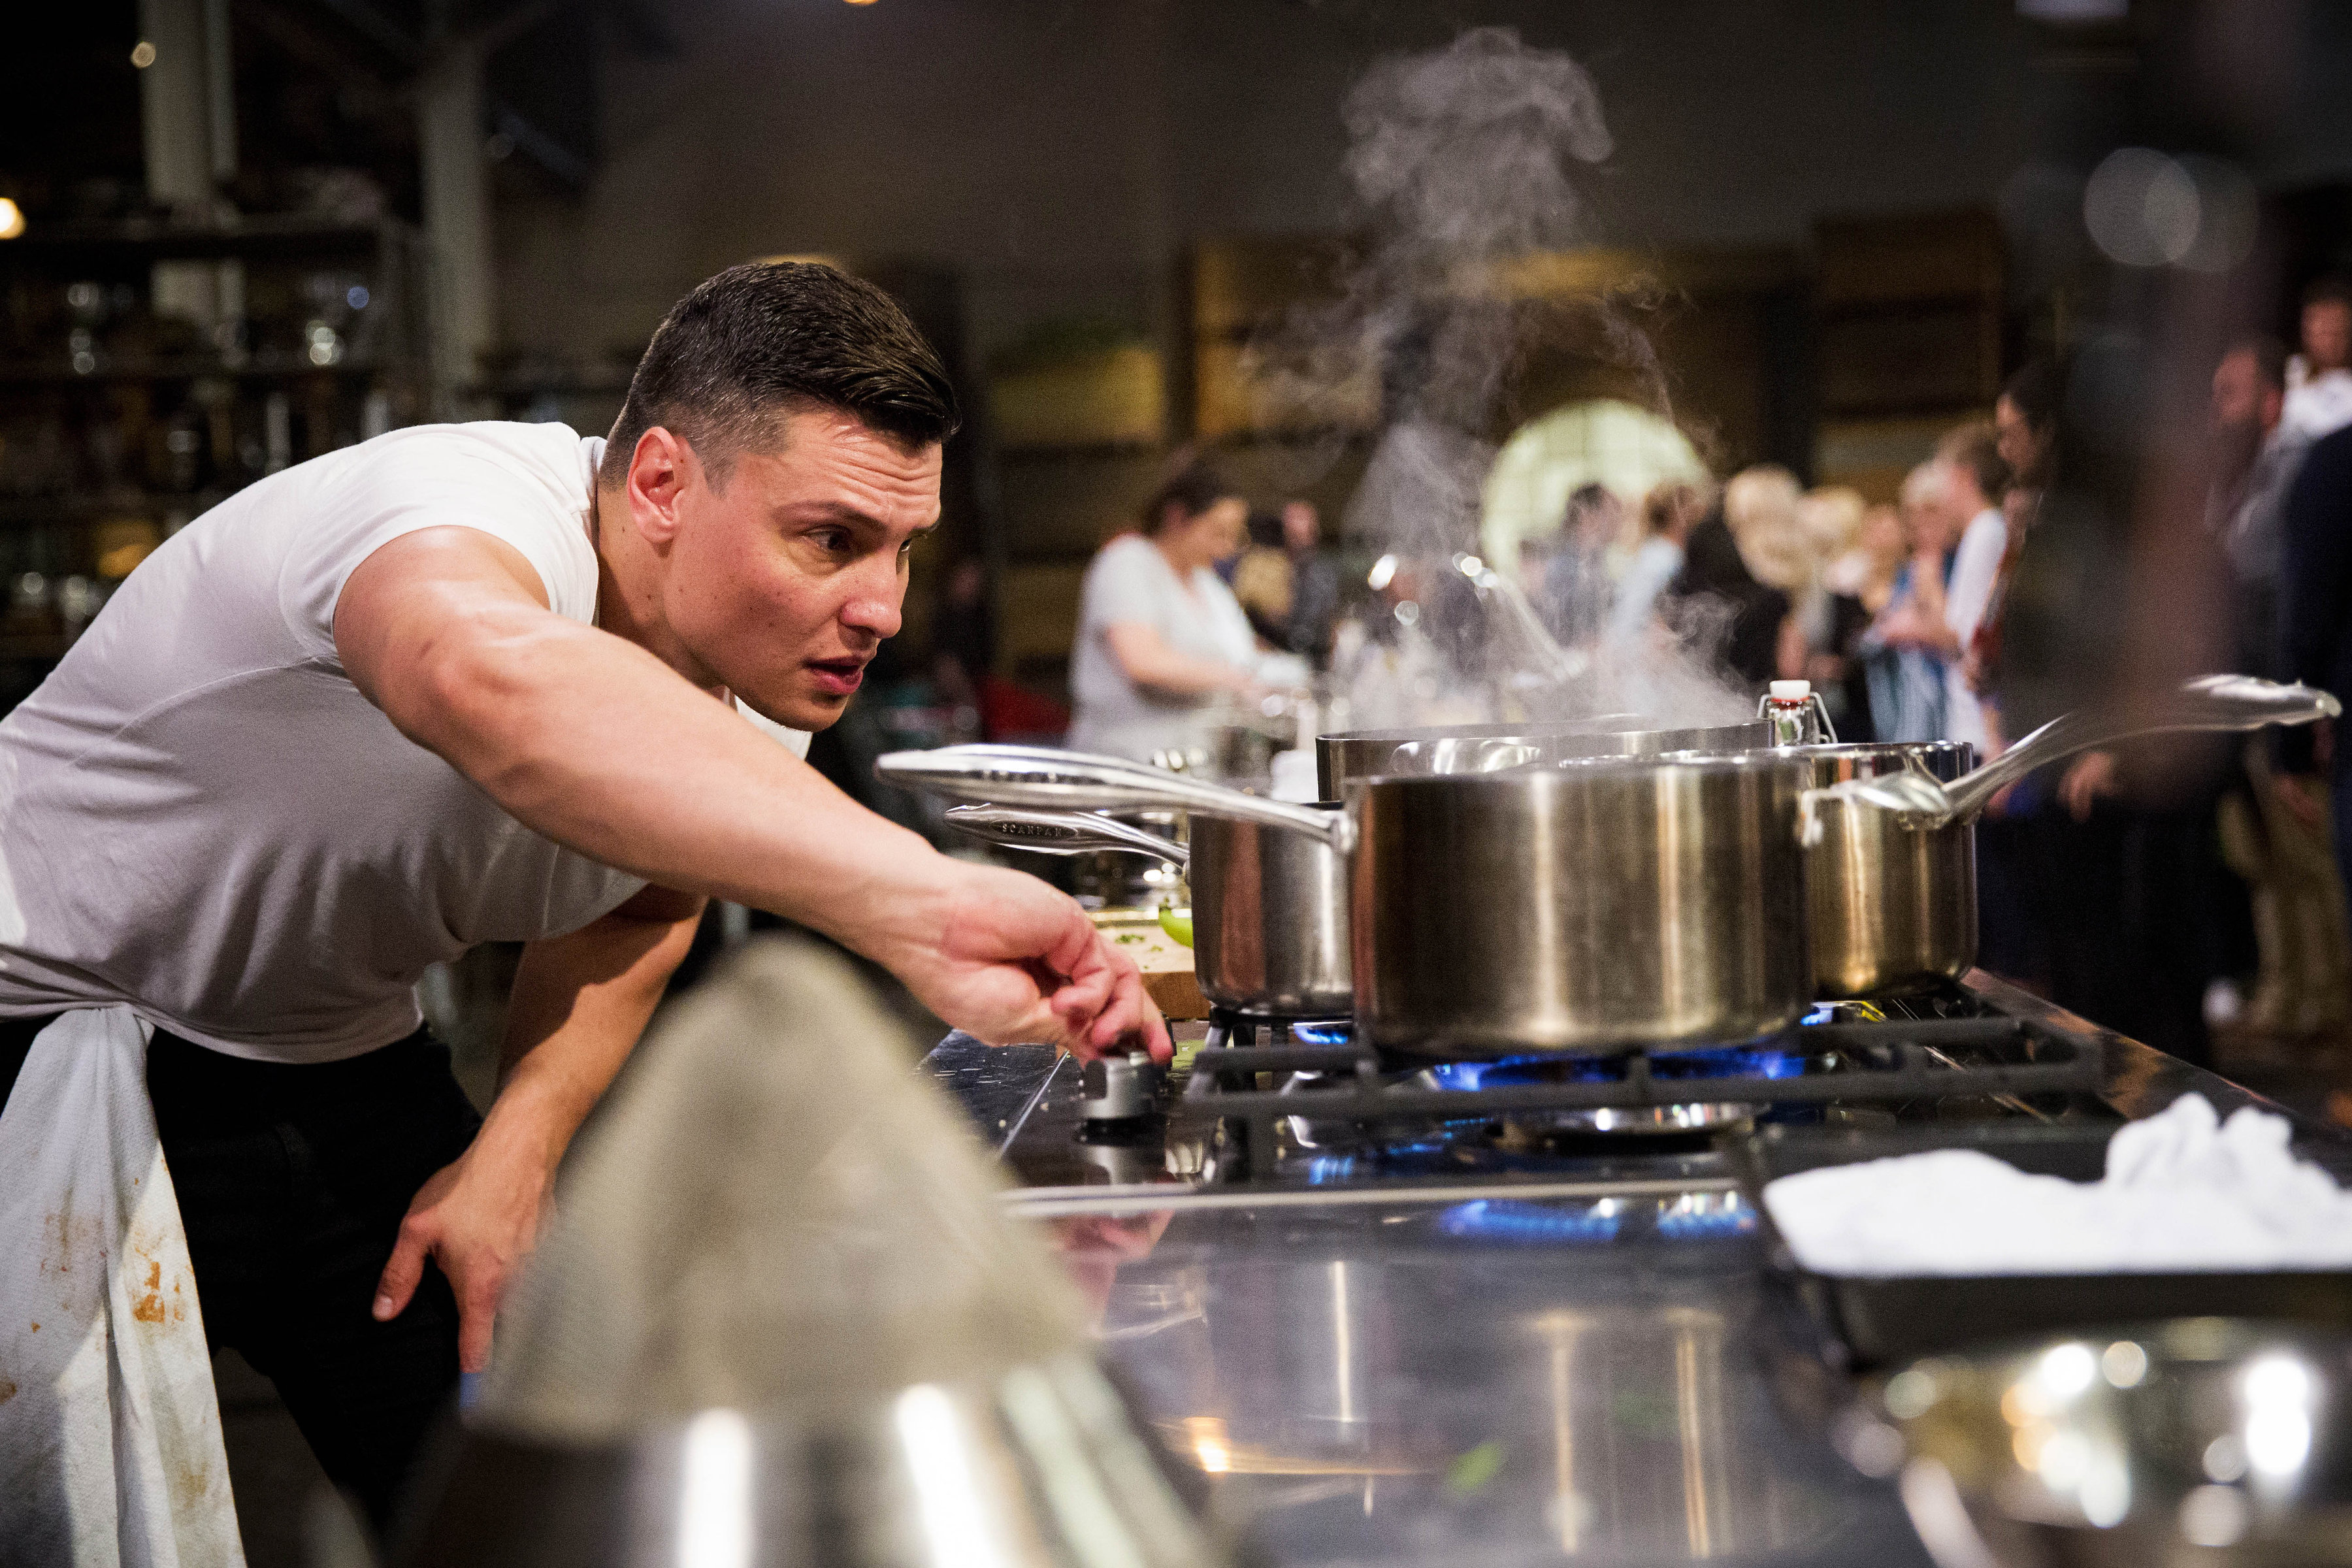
(1176, 925)
(1472, 1472)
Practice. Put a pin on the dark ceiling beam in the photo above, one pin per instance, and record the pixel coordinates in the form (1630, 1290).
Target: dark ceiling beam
(380, 30)
(326, 50)
(559, 162)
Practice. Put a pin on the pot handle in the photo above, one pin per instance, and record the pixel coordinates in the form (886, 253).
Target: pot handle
(1050, 780)
(1063, 832)
(2209, 703)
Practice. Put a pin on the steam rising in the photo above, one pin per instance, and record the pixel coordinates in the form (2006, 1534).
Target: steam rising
(1464, 162)
(1463, 155)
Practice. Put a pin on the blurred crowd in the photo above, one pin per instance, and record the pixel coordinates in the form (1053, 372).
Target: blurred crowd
(2163, 887)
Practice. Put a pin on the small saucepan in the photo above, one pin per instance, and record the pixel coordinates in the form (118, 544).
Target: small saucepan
(1889, 831)
(1269, 906)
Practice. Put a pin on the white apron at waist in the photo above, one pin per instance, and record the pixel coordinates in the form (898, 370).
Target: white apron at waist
(110, 1429)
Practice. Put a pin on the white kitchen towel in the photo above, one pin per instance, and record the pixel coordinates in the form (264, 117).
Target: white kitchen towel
(110, 1453)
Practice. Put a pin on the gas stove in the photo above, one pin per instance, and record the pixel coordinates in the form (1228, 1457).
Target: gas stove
(1272, 1104)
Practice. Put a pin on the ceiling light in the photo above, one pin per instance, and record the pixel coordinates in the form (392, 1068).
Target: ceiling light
(12, 219)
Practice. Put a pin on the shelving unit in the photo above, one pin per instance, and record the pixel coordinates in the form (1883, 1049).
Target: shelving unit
(150, 369)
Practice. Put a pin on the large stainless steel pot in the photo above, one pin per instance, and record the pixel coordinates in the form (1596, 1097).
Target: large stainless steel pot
(1598, 905)
(1342, 757)
(1269, 905)
(1890, 830)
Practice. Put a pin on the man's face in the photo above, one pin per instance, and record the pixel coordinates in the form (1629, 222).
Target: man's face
(782, 580)
(2327, 335)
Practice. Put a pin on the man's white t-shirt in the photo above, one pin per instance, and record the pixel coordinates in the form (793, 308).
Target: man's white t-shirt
(202, 817)
(1976, 568)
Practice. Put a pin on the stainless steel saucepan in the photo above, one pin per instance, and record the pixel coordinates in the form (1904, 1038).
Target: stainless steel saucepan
(1596, 906)
(1890, 830)
(1269, 905)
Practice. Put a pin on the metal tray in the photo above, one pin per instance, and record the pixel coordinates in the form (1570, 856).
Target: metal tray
(1881, 1322)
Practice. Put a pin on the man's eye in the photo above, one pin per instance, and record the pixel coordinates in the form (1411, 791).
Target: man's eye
(831, 538)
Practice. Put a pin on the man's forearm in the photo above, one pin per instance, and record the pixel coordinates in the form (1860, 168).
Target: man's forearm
(594, 743)
(579, 1004)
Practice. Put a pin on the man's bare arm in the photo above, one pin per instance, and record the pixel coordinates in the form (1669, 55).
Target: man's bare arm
(598, 744)
(580, 1003)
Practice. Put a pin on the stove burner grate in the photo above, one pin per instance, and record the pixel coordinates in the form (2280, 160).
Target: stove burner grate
(1814, 1064)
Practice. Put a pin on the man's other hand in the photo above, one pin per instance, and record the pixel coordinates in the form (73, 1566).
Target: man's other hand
(1018, 963)
(479, 1219)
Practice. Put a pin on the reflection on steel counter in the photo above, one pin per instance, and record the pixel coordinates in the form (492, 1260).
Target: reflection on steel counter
(1424, 1380)
(1391, 1317)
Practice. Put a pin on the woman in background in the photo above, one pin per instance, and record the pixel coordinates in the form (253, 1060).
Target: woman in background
(1718, 608)
(1160, 635)
(1669, 513)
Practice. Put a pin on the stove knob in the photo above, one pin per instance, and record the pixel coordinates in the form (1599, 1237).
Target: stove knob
(1117, 1089)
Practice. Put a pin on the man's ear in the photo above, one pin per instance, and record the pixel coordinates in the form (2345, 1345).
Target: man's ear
(660, 470)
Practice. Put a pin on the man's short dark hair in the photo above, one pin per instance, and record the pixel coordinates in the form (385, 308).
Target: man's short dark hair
(2269, 359)
(765, 340)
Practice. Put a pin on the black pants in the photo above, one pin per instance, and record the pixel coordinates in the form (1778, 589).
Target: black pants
(292, 1182)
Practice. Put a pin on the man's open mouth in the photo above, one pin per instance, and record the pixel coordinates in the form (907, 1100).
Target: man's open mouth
(838, 676)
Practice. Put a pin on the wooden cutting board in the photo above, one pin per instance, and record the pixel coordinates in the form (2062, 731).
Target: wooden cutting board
(1166, 963)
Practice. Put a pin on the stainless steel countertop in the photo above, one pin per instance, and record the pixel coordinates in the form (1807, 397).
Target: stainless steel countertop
(1503, 1372)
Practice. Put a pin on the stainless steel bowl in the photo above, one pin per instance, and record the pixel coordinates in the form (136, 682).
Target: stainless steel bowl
(2202, 1440)
(1045, 1467)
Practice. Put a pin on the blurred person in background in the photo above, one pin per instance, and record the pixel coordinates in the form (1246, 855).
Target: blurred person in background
(1821, 629)
(2316, 609)
(1158, 632)
(1668, 512)
(2319, 379)
(1760, 507)
(2255, 455)
(1575, 590)
(1831, 518)
(1974, 478)
(963, 638)
(1719, 609)
(1314, 584)
(2009, 895)
(2315, 646)
(1882, 550)
(2131, 879)
(1901, 663)
(1260, 578)
(2025, 424)
(1833, 515)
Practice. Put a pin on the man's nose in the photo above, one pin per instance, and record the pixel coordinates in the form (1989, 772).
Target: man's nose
(874, 603)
